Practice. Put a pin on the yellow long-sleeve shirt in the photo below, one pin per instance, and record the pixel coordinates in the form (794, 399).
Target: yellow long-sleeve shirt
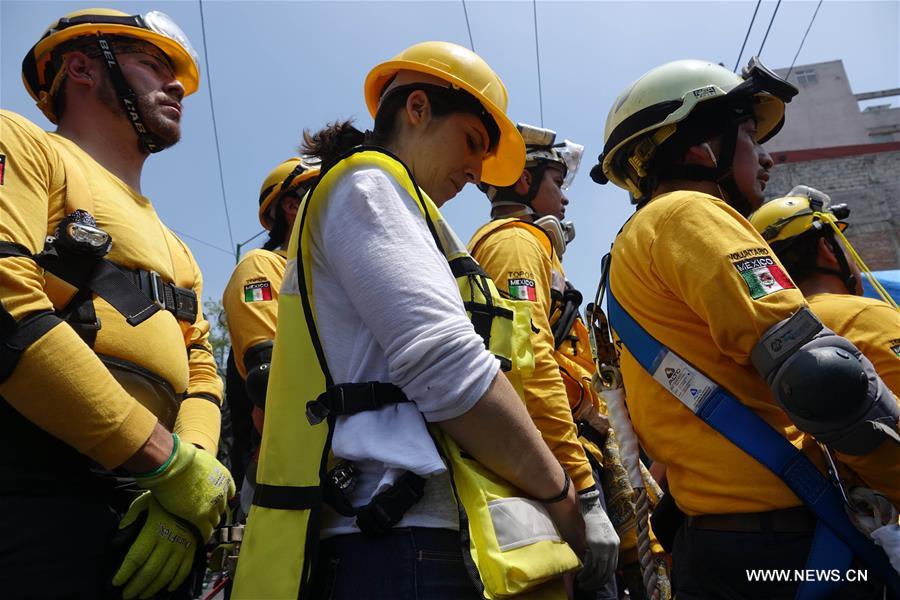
(519, 266)
(874, 327)
(60, 383)
(701, 280)
(251, 301)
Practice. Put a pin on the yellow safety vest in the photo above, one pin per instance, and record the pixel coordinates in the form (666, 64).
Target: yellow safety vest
(512, 542)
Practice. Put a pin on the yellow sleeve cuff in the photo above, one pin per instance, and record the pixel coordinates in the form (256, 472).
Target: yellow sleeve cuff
(198, 423)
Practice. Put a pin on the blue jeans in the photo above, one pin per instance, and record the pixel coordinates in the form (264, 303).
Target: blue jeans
(406, 564)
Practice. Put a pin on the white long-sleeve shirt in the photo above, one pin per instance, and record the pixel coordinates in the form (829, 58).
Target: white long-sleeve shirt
(388, 309)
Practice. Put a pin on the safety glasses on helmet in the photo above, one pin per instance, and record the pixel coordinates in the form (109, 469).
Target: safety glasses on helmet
(156, 21)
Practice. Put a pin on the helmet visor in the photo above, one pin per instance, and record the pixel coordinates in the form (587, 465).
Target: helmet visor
(760, 79)
(163, 24)
(155, 21)
(570, 155)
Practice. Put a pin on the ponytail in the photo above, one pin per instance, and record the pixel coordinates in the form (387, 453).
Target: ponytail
(331, 142)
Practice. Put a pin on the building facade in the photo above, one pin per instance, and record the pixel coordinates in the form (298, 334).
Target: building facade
(850, 154)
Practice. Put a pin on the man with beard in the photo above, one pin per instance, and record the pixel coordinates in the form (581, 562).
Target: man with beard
(110, 396)
(725, 367)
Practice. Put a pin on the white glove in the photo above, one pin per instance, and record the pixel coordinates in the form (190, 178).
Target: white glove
(602, 554)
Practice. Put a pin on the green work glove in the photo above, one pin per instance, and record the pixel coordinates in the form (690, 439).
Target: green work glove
(192, 485)
(162, 553)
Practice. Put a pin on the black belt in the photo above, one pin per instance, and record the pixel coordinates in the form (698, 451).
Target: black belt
(786, 520)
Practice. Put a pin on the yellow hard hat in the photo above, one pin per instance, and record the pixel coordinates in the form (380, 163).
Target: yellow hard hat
(462, 69)
(155, 27)
(803, 209)
(653, 107)
(286, 177)
(783, 220)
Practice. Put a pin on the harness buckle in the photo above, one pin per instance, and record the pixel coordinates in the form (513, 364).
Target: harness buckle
(157, 291)
(316, 412)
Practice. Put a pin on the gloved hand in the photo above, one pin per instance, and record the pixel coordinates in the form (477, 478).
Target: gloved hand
(192, 485)
(602, 543)
(162, 553)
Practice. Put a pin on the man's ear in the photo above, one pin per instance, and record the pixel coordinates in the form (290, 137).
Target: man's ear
(418, 108)
(826, 254)
(701, 154)
(523, 184)
(80, 69)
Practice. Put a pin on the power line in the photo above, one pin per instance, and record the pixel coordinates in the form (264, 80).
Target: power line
(744, 45)
(468, 28)
(199, 241)
(537, 51)
(212, 109)
(804, 39)
(772, 20)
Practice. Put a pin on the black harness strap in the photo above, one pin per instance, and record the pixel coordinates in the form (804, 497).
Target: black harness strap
(135, 293)
(569, 304)
(114, 286)
(351, 398)
(14, 250)
(17, 336)
(205, 396)
(387, 508)
(465, 265)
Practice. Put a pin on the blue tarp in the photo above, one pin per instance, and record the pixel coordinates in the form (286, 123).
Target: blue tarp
(889, 279)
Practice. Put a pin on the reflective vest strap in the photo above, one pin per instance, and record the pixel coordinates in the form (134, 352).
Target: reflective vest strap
(287, 497)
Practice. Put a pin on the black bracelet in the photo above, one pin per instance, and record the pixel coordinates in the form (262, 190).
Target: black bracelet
(563, 494)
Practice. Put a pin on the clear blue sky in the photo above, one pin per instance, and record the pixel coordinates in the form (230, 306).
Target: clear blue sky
(280, 67)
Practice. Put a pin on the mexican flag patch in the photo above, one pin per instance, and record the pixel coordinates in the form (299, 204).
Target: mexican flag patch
(763, 276)
(522, 289)
(257, 291)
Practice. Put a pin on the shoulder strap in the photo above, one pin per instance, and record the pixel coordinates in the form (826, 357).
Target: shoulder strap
(493, 227)
(749, 432)
(78, 192)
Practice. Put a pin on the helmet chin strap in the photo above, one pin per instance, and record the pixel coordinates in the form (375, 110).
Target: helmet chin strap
(844, 273)
(508, 197)
(721, 173)
(147, 142)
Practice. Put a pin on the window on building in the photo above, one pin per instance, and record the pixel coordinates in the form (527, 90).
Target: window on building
(806, 76)
(878, 138)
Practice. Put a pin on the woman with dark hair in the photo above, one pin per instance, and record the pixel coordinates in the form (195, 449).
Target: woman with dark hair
(375, 345)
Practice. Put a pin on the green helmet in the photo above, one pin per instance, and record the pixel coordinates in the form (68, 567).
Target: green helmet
(665, 102)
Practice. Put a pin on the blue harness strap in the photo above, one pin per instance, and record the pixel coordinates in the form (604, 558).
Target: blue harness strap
(836, 540)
